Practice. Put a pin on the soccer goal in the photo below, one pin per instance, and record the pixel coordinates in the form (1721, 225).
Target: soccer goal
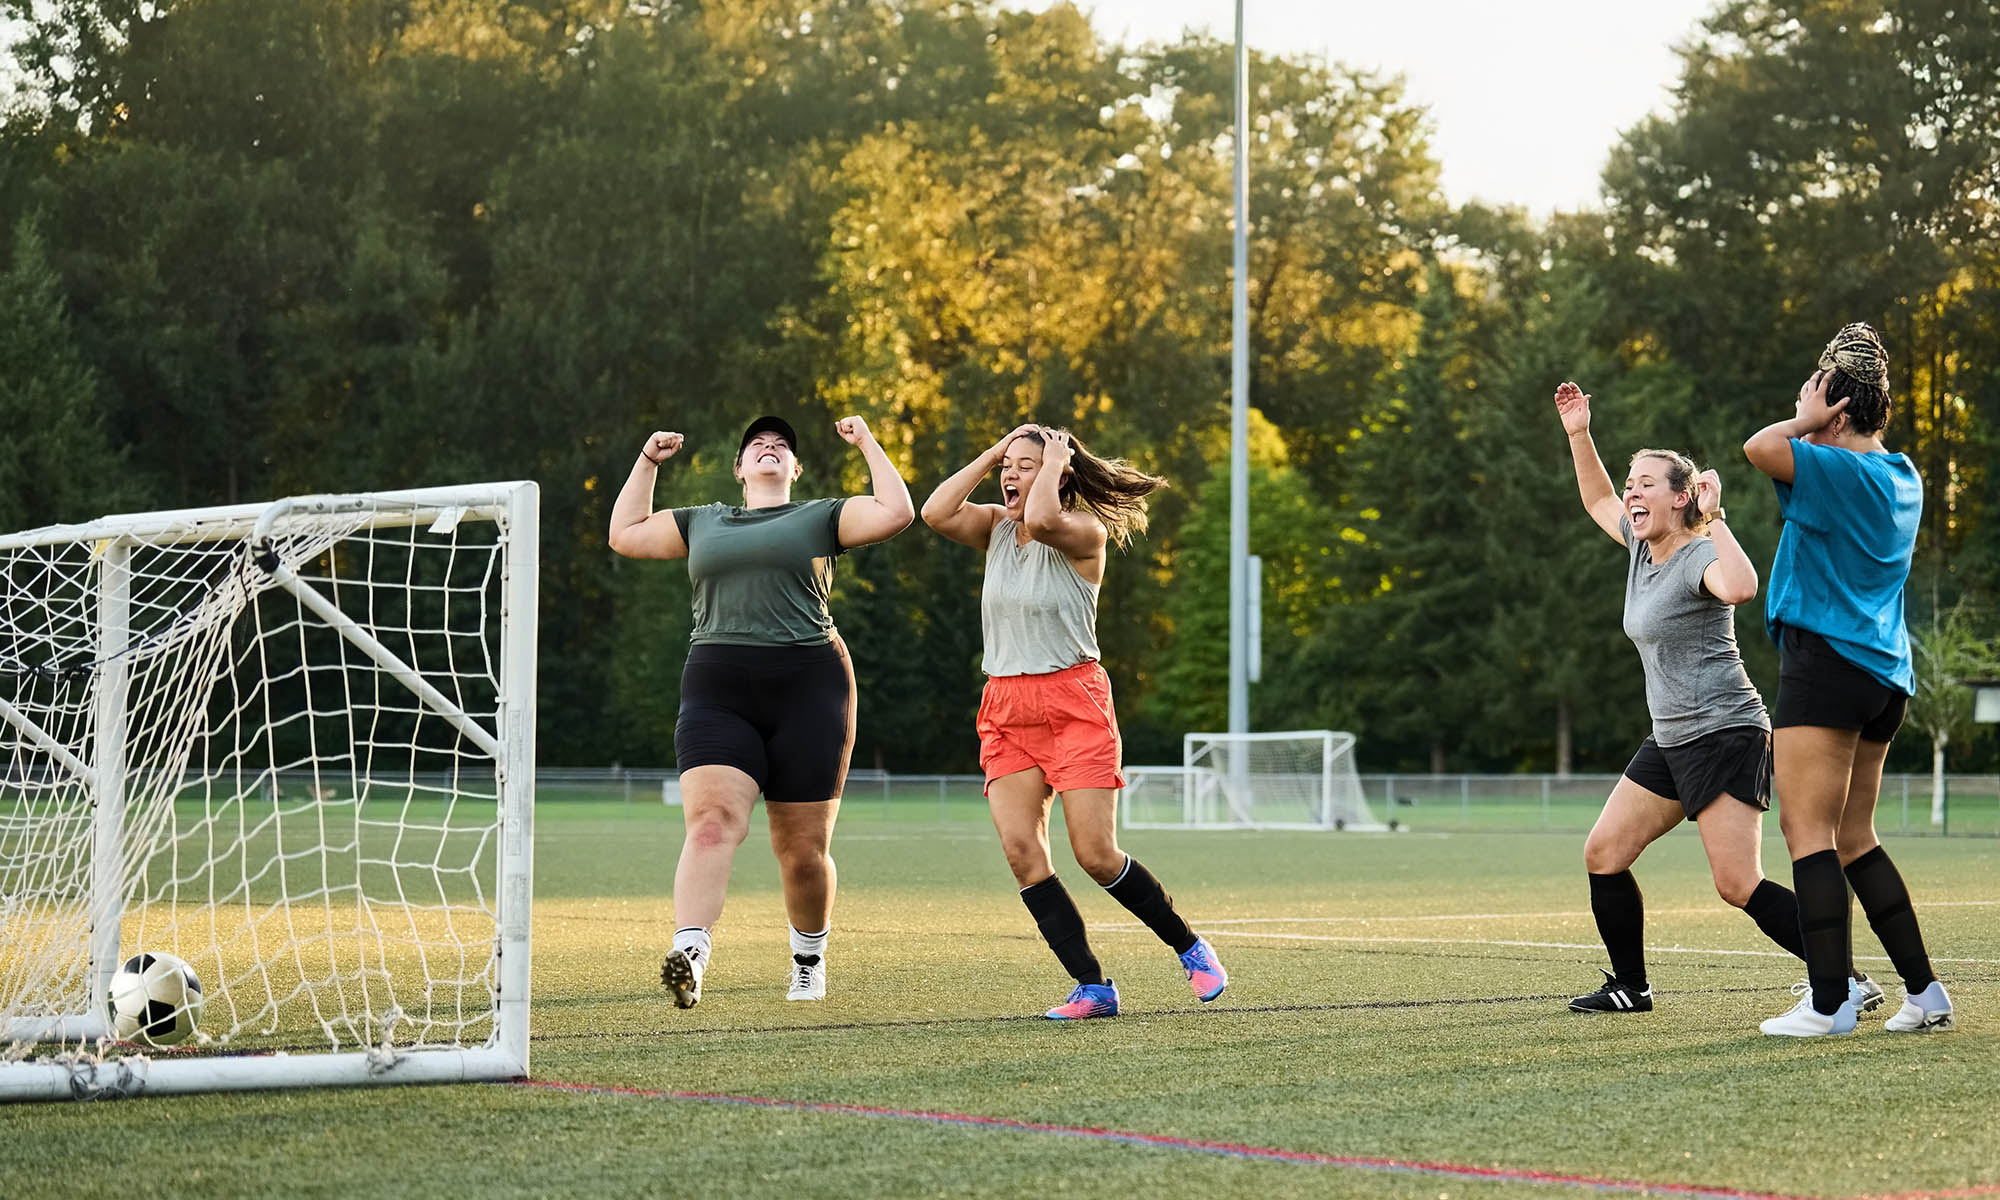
(292, 745)
(1299, 779)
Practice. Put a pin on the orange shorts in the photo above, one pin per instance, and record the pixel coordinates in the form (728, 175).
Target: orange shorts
(1061, 722)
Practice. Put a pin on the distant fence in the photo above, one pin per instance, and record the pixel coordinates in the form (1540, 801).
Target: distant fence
(1423, 803)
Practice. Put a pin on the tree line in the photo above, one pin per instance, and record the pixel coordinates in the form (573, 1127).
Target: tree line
(253, 249)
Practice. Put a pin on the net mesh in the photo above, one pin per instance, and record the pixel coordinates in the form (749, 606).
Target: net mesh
(313, 836)
(1301, 780)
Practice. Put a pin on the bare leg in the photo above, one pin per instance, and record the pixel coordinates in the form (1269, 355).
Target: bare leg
(801, 837)
(716, 803)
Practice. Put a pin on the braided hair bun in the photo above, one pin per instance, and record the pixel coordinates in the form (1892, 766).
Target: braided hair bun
(1860, 366)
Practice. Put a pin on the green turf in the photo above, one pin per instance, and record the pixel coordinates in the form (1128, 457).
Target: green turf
(1376, 1009)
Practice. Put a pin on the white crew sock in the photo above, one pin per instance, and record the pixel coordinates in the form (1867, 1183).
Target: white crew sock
(808, 945)
(694, 940)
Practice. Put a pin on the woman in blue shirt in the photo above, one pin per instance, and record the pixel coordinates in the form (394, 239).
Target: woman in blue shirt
(1835, 608)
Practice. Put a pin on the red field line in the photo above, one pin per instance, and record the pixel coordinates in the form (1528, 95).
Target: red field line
(1225, 1149)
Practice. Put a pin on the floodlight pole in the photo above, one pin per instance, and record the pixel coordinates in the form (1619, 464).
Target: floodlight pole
(1239, 416)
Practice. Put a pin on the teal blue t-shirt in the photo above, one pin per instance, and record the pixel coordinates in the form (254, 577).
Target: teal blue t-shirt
(1844, 556)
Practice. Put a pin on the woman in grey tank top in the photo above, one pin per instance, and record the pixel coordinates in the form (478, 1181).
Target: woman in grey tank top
(1708, 757)
(1046, 724)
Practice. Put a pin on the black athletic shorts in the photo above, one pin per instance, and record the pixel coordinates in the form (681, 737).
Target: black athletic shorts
(1818, 686)
(1736, 761)
(779, 714)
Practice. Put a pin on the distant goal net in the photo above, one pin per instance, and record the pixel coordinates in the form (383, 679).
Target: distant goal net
(1299, 779)
(293, 746)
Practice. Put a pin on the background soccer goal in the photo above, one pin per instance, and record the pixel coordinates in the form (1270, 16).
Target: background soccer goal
(292, 744)
(1299, 779)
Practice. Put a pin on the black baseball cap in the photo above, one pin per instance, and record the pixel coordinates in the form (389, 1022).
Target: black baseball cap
(777, 425)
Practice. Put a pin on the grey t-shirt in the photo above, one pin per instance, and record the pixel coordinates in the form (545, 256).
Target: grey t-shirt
(1695, 682)
(761, 575)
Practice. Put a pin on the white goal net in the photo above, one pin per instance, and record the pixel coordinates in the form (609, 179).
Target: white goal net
(293, 745)
(1300, 779)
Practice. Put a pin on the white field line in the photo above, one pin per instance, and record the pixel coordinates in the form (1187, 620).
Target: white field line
(1422, 941)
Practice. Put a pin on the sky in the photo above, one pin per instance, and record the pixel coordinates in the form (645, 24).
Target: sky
(1526, 97)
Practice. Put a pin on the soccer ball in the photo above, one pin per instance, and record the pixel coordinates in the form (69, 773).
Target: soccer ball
(155, 1000)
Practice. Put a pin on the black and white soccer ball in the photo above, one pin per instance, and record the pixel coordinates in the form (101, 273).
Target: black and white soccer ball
(155, 1000)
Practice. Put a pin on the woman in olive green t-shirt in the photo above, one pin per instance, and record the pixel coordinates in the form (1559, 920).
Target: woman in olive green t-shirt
(767, 696)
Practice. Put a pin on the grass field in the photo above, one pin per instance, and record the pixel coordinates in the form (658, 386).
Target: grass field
(1393, 997)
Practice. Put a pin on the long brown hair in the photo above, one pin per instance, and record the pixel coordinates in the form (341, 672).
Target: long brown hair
(1111, 488)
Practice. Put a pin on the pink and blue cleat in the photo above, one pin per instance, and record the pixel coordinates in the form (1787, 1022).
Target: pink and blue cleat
(1204, 971)
(1088, 1000)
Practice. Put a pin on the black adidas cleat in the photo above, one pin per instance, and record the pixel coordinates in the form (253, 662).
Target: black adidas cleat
(1614, 997)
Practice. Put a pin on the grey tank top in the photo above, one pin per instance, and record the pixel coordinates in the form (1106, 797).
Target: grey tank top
(1039, 615)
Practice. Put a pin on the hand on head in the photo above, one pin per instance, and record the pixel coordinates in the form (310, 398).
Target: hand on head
(1814, 413)
(1574, 408)
(1056, 447)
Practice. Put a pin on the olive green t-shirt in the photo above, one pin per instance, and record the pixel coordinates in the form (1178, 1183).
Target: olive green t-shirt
(761, 575)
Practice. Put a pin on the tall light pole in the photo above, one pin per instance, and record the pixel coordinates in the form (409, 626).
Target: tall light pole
(1239, 416)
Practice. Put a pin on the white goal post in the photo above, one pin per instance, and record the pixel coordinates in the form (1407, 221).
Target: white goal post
(292, 744)
(1294, 779)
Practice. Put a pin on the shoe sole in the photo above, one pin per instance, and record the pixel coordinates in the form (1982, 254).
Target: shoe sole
(1942, 1023)
(677, 973)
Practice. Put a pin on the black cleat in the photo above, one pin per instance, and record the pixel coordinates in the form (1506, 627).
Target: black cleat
(1614, 997)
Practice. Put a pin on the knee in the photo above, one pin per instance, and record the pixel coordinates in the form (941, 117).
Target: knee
(1851, 846)
(1736, 889)
(802, 854)
(1026, 858)
(1102, 861)
(716, 832)
(1606, 857)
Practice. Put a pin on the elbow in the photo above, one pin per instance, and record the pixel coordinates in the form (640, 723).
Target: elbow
(619, 542)
(905, 513)
(1040, 528)
(1739, 591)
(933, 513)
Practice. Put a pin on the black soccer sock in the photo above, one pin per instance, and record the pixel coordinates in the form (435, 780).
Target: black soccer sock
(1776, 911)
(1137, 890)
(1062, 928)
(1887, 902)
(1621, 921)
(1824, 927)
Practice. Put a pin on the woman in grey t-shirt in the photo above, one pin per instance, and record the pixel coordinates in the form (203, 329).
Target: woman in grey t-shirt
(1708, 757)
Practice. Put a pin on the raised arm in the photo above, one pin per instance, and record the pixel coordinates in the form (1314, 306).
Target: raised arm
(947, 511)
(886, 511)
(1730, 578)
(636, 530)
(1770, 448)
(1593, 483)
(1079, 535)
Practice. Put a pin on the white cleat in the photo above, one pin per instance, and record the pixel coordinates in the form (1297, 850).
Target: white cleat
(681, 973)
(1929, 1011)
(1862, 992)
(1805, 1021)
(808, 977)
